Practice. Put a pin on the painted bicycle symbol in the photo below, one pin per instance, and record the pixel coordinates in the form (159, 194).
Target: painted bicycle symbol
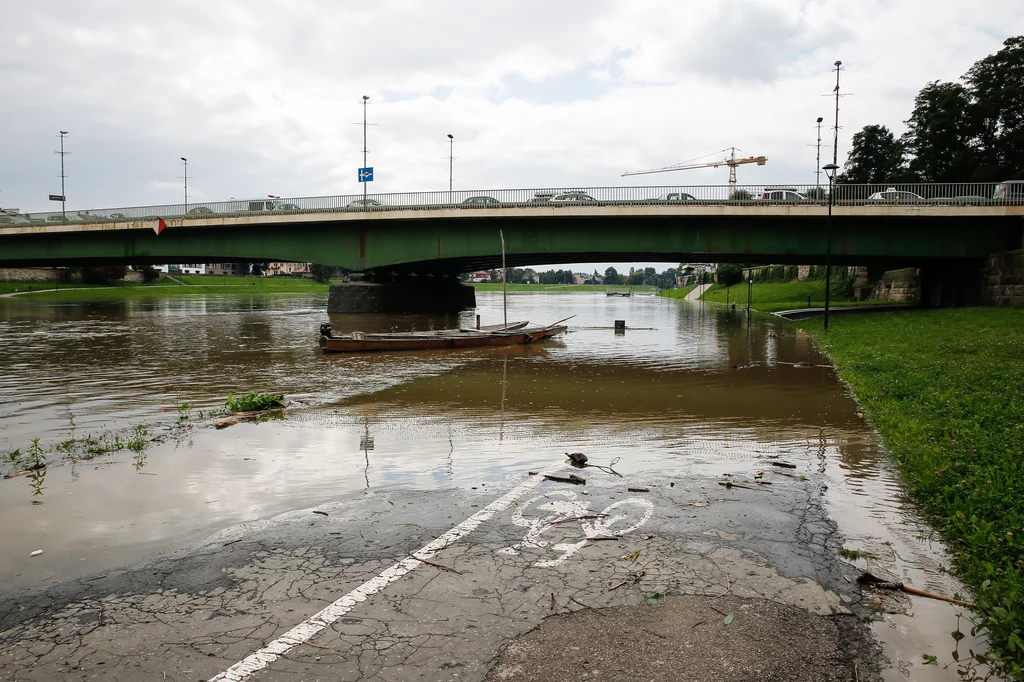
(540, 516)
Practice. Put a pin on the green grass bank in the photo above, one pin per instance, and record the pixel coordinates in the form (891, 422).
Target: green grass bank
(186, 285)
(945, 389)
(574, 288)
(773, 296)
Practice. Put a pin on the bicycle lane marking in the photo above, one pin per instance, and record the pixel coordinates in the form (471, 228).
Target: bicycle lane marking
(316, 623)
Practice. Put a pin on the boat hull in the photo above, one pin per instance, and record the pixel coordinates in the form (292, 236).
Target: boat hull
(368, 343)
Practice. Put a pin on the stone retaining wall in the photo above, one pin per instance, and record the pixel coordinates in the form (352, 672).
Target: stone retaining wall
(33, 275)
(1003, 282)
(899, 285)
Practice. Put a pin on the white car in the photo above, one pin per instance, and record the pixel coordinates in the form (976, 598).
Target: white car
(893, 194)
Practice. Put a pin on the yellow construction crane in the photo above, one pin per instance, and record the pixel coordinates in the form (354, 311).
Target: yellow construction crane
(731, 161)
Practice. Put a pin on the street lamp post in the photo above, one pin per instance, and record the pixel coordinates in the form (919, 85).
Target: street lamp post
(451, 164)
(830, 171)
(185, 161)
(365, 98)
(817, 173)
(63, 196)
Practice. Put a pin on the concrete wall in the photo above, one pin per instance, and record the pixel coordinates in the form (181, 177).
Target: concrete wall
(367, 297)
(32, 275)
(1003, 279)
(899, 285)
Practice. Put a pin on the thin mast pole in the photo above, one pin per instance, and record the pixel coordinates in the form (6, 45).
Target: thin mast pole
(364, 147)
(817, 166)
(63, 196)
(835, 139)
(504, 286)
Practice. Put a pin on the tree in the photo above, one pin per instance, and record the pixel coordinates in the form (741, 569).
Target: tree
(149, 273)
(876, 157)
(728, 275)
(995, 84)
(635, 278)
(740, 195)
(611, 276)
(818, 193)
(942, 134)
(322, 273)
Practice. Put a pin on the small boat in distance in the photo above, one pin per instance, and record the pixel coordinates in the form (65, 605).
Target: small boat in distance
(513, 334)
(627, 294)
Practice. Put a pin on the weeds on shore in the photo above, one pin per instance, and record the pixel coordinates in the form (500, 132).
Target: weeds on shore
(255, 402)
(944, 390)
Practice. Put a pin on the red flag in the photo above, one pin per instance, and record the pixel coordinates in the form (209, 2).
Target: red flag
(159, 225)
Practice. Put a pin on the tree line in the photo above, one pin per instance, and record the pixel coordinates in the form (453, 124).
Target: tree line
(969, 131)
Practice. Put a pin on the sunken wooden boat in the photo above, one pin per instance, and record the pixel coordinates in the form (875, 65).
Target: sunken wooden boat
(512, 334)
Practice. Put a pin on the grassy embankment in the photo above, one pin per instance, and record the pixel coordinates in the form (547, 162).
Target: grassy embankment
(772, 296)
(193, 284)
(12, 287)
(945, 389)
(574, 288)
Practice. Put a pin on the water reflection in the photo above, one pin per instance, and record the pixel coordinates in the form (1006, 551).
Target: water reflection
(712, 390)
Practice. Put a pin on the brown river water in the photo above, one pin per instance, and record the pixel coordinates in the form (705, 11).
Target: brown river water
(690, 383)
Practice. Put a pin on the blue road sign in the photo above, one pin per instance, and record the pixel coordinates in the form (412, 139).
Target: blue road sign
(366, 175)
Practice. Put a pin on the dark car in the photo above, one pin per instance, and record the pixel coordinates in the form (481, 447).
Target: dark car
(364, 203)
(572, 197)
(476, 201)
(677, 196)
(199, 210)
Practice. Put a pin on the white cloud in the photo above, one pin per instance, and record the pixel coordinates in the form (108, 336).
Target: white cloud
(261, 96)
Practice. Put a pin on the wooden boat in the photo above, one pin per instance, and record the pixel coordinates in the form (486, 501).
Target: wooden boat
(491, 335)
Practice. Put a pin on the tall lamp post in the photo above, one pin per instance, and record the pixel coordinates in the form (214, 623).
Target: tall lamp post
(365, 99)
(817, 173)
(451, 162)
(830, 170)
(185, 161)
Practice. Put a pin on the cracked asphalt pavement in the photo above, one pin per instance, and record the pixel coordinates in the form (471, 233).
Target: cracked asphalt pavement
(690, 580)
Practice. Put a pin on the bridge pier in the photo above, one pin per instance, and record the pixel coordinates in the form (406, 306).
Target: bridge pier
(421, 297)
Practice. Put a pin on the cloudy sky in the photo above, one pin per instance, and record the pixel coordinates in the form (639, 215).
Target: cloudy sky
(262, 96)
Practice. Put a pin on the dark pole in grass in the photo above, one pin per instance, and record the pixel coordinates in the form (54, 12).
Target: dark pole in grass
(750, 284)
(830, 171)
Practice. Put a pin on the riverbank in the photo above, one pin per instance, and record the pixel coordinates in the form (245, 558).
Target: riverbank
(944, 390)
(180, 285)
(770, 297)
(563, 288)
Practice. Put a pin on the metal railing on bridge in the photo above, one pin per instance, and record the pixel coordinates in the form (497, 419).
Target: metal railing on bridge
(933, 194)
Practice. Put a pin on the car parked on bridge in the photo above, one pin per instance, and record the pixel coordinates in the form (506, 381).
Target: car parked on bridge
(1009, 190)
(572, 197)
(481, 200)
(783, 194)
(677, 197)
(542, 196)
(118, 216)
(200, 210)
(363, 203)
(12, 219)
(893, 195)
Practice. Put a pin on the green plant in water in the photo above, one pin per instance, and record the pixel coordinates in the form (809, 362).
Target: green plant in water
(255, 402)
(184, 410)
(137, 440)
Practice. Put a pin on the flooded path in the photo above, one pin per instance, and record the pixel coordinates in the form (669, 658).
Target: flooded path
(687, 395)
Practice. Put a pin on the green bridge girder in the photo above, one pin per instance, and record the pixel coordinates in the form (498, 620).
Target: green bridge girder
(439, 241)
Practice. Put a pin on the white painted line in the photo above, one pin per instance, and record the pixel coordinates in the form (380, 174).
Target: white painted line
(309, 628)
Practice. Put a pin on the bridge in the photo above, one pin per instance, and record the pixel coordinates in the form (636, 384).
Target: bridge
(445, 233)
